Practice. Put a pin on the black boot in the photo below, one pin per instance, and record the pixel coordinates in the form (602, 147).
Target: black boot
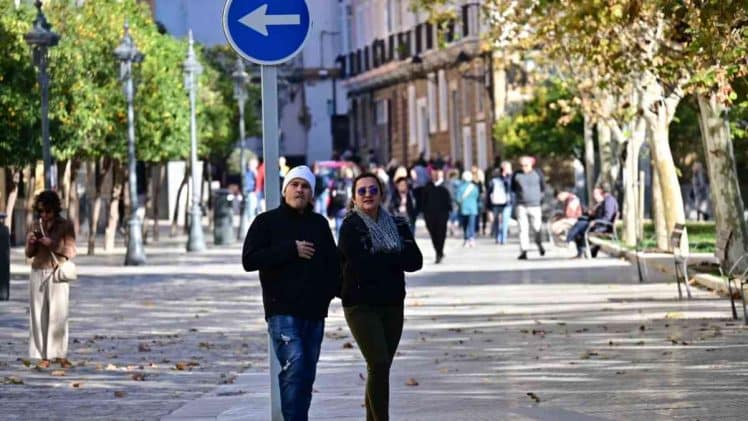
(522, 256)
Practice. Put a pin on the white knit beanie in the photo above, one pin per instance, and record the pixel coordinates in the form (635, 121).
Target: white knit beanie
(303, 172)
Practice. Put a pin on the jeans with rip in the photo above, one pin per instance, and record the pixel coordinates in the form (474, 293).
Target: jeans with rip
(297, 343)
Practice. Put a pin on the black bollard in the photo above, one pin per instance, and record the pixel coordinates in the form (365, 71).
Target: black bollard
(223, 223)
(4, 260)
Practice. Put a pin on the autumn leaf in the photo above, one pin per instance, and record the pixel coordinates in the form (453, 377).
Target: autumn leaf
(138, 377)
(347, 345)
(120, 394)
(12, 380)
(76, 385)
(58, 373)
(533, 396)
(411, 382)
(143, 347)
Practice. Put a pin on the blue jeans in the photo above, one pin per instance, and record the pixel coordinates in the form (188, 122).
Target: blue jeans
(468, 226)
(501, 216)
(296, 342)
(576, 234)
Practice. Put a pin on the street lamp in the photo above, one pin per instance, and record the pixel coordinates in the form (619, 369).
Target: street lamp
(241, 77)
(127, 54)
(40, 38)
(192, 69)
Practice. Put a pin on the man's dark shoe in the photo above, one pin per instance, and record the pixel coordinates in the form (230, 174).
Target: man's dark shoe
(541, 249)
(522, 256)
(439, 259)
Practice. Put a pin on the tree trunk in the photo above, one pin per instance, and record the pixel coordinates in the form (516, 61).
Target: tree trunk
(100, 173)
(30, 196)
(66, 183)
(176, 205)
(589, 158)
(74, 203)
(672, 199)
(607, 154)
(157, 181)
(15, 180)
(631, 184)
(658, 213)
(111, 228)
(723, 177)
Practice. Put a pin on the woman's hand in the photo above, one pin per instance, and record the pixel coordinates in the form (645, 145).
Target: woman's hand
(46, 241)
(31, 239)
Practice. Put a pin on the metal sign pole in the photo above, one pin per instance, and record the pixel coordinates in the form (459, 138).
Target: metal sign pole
(272, 199)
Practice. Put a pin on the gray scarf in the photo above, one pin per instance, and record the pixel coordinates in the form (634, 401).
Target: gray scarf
(383, 231)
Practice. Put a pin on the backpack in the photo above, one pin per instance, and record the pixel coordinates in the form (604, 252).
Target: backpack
(498, 192)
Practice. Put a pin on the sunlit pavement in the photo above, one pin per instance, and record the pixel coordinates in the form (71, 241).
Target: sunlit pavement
(486, 337)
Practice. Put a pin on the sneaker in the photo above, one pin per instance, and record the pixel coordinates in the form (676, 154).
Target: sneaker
(522, 256)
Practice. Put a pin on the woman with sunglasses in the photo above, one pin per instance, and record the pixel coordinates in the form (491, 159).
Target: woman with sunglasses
(48, 307)
(376, 249)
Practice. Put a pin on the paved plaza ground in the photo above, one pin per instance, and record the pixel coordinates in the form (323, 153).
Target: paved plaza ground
(486, 337)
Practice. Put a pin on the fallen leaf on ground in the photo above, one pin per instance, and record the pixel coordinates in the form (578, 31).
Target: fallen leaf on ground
(533, 397)
(57, 373)
(26, 363)
(12, 380)
(361, 376)
(138, 377)
(110, 367)
(143, 347)
(120, 394)
(347, 345)
(411, 382)
(674, 315)
(76, 385)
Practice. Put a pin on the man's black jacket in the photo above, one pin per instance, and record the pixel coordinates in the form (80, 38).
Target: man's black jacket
(292, 285)
(375, 278)
(435, 200)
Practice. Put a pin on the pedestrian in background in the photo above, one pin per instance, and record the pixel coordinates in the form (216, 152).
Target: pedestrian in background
(402, 202)
(48, 298)
(437, 205)
(376, 250)
(467, 197)
(293, 249)
(528, 187)
(451, 184)
(498, 198)
(250, 186)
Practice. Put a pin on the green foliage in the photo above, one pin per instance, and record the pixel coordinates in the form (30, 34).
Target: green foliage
(541, 128)
(20, 126)
(88, 109)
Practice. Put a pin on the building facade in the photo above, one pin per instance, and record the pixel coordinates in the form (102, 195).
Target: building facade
(415, 89)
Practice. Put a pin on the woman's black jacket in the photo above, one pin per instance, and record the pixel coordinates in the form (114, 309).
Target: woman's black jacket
(292, 285)
(374, 278)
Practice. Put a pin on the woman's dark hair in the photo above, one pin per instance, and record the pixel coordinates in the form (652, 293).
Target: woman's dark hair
(360, 177)
(48, 199)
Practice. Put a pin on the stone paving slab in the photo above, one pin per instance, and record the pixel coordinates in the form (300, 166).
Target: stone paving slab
(482, 331)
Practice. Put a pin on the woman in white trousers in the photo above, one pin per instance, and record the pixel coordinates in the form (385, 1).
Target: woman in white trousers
(48, 299)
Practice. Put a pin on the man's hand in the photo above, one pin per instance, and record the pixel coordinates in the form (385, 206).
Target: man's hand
(305, 249)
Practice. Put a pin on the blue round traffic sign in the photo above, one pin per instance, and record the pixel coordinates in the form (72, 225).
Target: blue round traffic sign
(266, 31)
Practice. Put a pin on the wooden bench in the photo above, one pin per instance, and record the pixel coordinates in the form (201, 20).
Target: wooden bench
(735, 273)
(680, 261)
(609, 233)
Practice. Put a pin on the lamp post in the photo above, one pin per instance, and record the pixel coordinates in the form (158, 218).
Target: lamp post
(127, 54)
(192, 69)
(241, 77)
(40, 38)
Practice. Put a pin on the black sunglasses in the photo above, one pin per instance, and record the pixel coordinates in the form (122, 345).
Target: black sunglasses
(373, 191)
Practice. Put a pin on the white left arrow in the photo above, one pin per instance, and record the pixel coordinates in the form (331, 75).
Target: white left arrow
(259, 20)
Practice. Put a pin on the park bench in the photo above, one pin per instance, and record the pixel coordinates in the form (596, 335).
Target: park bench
(608, 233)
(680, 260)
(735, 274)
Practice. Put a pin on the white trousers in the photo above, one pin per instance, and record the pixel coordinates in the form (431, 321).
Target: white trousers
(528, 217)
(48, 316)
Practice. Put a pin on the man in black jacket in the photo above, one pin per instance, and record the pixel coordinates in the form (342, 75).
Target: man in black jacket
(293, 248)
(436, 205)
